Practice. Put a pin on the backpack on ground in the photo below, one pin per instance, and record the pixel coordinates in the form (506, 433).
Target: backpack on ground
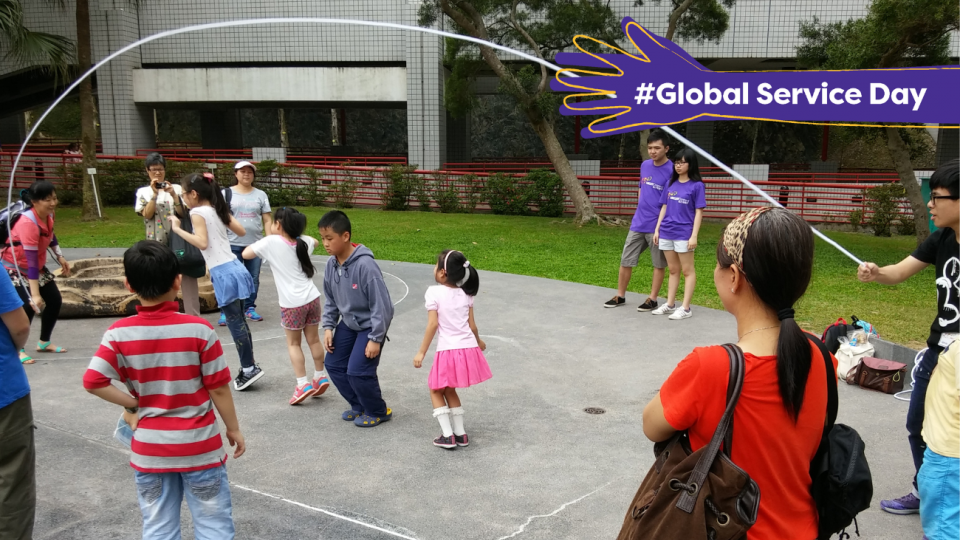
(842, 484)
(831, 336)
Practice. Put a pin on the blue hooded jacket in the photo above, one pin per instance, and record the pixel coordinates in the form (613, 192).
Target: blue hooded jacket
(355, 292)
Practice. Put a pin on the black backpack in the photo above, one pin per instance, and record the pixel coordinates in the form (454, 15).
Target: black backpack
(9, 217)
(831, 336)
(842, 485)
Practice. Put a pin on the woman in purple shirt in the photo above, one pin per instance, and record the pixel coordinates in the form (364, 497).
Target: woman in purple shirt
(683, 202)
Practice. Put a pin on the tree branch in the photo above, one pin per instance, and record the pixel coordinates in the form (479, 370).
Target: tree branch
(533, 45)
(675, 17)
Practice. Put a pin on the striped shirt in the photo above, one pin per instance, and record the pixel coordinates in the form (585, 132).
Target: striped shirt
(168, 361)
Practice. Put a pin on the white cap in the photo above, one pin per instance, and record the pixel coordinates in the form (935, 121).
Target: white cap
(242, 164)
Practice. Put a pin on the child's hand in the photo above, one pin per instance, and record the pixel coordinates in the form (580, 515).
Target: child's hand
(692, 243)
(235, 438)
(174, 221)
(328, 340)
(483, 346)
(656, 236)
(132, 419)
(372, 350)
(418, 360)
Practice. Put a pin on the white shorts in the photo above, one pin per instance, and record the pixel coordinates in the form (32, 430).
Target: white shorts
(680, 246)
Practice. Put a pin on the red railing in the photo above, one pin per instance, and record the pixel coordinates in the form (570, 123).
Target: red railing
(817, 202)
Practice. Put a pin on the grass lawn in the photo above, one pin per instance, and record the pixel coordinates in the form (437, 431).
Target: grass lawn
(555, 249)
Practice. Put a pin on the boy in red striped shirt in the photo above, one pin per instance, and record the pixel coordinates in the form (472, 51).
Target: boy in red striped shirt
(173, 367)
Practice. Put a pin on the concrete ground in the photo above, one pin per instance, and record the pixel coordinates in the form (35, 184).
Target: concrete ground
(538, 467)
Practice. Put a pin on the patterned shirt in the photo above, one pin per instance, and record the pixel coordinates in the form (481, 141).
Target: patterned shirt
(158, 227)
(169, 361)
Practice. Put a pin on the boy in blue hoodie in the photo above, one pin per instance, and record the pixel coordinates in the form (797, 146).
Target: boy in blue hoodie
(358, 306)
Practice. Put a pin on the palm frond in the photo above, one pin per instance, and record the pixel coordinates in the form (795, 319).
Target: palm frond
(28, 48)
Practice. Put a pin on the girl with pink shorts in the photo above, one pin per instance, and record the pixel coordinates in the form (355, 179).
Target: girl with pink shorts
(288, 253)
(459, 361)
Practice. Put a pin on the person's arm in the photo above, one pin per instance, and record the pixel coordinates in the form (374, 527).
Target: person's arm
(236, 227)
(476, 333)
(656, 231)
(198, 238)
(433, 322)
(267, 218)
(115, 395)
(692, 243)
(223, 401)
(655, 425)
(64, 265)
(150, 208)
(381, 308)
(330, 315)
(18, 324)
(255, 249)
(891, 274)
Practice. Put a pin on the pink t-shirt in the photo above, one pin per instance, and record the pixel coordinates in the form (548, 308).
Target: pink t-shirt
(453, 312)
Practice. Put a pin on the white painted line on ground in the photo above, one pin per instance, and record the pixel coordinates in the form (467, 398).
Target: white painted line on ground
(404, 284)
(555, 512)
(506, 339)
(327, 512)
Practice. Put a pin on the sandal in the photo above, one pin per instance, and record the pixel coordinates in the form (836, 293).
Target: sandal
(24, 359)
(43, 346)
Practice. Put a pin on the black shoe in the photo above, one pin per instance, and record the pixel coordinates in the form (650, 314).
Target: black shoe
(649, 305)
(615, 301)
(462, 440)
(244, 380)
(448, 443)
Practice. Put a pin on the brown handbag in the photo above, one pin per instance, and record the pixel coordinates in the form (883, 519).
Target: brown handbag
(881, 375)
(698, 495)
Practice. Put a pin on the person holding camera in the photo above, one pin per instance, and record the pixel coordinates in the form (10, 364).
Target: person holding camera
(156, 203)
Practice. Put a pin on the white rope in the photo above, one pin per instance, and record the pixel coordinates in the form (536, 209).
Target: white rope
(913, 376)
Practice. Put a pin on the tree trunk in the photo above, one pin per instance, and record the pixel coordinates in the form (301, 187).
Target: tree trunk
(623, 144)
(901, 160)
(585, 211)
(334, 127)
(644, 136)
(88, 115)
(284, 140)
(675, 18)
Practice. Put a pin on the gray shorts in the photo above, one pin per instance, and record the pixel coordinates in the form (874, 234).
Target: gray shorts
(634, 246)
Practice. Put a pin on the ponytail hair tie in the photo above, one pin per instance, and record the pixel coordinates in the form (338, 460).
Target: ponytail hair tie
(209, 177)
(466, 264)
(466, 276)
(786, 313)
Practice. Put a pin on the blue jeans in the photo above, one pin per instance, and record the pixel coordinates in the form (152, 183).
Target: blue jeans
(208, 497)
(921, 380)
(252, 266)
(939, 480)
(355, 375)
(240, 331)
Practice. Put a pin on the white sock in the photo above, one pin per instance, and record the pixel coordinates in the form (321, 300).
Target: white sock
(302, 381)
(249, 370)
(442, 414)
(319, 374)
(456, 414)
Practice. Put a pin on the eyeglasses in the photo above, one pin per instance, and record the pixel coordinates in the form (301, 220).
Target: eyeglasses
(935, 198)
(156, 171)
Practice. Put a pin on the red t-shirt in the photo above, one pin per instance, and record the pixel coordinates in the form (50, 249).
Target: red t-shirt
(767, 444)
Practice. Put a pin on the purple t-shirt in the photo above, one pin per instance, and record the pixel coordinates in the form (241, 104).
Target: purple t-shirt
(652, 180)
(682, 200)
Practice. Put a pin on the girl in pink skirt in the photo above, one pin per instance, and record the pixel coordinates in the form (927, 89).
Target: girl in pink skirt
(459, 361)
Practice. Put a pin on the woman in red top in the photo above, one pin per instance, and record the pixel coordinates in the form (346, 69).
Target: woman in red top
(25, 259)
(764, 262)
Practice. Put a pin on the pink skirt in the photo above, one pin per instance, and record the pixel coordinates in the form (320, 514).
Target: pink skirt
(458, 368)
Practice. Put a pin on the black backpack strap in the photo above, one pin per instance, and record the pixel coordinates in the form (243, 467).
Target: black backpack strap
(832, 408)
(731, 385)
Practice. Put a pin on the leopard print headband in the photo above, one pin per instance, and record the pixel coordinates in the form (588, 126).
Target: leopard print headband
(735, 235)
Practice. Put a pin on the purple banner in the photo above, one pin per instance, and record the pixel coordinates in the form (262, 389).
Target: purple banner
(661, 84)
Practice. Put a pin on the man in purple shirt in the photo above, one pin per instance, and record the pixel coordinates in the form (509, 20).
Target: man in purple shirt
(654, 175)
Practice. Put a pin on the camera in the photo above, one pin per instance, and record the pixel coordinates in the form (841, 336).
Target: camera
(163, 185)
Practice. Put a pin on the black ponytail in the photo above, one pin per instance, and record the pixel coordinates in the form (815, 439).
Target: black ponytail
(457, 268)
(208, 191)
(778, 263)
(293, 223)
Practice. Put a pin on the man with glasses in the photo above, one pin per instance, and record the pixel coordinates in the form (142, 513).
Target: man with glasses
(155, 203)
(942, 248)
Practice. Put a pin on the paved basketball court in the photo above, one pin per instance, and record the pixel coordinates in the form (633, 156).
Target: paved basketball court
(538, 466)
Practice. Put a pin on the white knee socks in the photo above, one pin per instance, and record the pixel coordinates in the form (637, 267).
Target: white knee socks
(456, 415)
(442, 414)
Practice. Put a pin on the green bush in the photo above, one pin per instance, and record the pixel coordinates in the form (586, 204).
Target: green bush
(856, 219)
(884, 201)
(400, 184)
(446, 194)
(315, 193)
(344, 192)
(908, 225)
(546, 192)
(473, 189)
(421, 190)
(507, 196)
(118, 181)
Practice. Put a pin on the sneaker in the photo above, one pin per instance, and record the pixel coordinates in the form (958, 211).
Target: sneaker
(366, 420)
(663, 310)
(462, 440)
(649, 305)
(615, 301)
(301, 393)
(449, 443)
(244, 380)
(681, 314)
(908, 504)
(253, 315)
(320, 385)
(223, 320)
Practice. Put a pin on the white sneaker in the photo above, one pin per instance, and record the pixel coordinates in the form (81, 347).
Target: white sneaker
(681, 314)
(664, 309)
